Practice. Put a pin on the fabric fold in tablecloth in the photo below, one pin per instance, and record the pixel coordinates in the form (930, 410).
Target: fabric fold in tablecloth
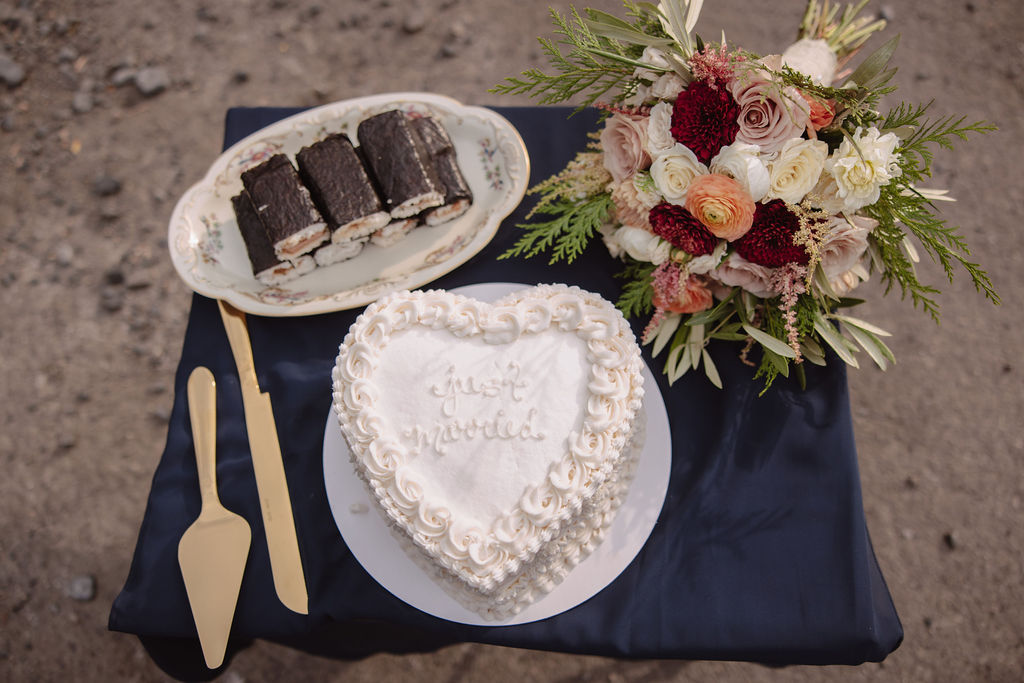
(761, 552)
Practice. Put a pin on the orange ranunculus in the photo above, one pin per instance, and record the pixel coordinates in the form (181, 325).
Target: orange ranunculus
(693, 296)
(721, 204)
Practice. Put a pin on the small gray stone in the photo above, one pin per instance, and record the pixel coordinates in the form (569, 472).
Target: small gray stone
(416, 20)
(64, 254)
(82, 102)
(66, 442)
(7, 123)
(114, 276)
(887, 13)
(82, 588)
(152, 80)
(106, 185)
(67, 54)
(122, 75)
(111, 299)
(11, 72)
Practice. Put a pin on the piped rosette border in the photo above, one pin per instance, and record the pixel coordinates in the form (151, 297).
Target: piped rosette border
(570, 506)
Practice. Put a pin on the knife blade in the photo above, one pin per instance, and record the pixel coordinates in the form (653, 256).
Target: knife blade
(271, 484)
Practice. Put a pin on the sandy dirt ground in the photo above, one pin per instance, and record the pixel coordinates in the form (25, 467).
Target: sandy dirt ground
(110, 109)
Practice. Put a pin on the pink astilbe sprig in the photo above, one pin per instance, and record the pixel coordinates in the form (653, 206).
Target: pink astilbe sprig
(665, 281)
(789, 281)
(640, 110)
(714, 66)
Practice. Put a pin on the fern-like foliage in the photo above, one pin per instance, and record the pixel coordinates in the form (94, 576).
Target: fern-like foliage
(591, 66)
(567, 234)
(637, 295)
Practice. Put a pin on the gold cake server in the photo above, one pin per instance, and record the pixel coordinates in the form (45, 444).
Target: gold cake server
(213, 550)
(275, 502)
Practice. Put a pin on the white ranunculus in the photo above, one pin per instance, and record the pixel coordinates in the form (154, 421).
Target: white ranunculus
(742, 163)
(639, 244)
(667, 86)
(813, 58)
(659, 130)
(844, 244)
(796, 170)
(673, 172)
(863, 166)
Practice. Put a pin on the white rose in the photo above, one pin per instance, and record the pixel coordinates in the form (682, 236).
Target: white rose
(701, 265)
(813, 58)
(826, 194)
(860, 171)
(639, 244)
(795, 171)
(737, 271)
(667, 87)
(844, 244)
(742, 163)
(659, 130)
(673, 172)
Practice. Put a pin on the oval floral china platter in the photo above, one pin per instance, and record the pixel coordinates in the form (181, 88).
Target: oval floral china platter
(208, 252)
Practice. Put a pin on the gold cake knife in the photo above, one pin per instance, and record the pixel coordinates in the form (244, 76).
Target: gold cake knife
(275, 502)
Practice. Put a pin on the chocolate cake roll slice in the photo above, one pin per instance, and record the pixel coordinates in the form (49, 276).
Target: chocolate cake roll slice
(336, 252)
(266, 266)
(457, 195)
(400, 164)
(293, 223)
(341, 188)
(393, 232)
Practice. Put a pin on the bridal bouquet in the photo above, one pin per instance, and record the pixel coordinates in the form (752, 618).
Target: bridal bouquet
(747, 195)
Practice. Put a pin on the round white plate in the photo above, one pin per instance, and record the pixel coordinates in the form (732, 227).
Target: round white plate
(209, 255)
(368, 537)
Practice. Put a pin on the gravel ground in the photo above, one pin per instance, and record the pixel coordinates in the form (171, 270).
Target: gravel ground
(110, 110)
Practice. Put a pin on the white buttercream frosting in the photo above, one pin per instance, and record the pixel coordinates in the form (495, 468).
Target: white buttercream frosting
(497, 439)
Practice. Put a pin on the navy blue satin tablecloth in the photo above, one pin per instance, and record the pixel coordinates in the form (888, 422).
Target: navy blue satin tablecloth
(761, 552)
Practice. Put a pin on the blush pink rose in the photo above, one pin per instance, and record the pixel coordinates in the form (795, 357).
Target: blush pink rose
(736, 271)
(845, 243)
(769, 114)
(624, 141)
(721, 204)
(693, 296)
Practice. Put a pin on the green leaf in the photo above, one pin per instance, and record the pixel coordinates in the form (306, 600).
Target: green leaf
(838, 343)
(861, 324)
(769, 342)
(665, 332)
(710, 370)
(867, 342)
(778, 362)
(874, 64)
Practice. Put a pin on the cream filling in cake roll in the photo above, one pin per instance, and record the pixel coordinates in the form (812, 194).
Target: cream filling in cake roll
(394, 232)
(336, 252)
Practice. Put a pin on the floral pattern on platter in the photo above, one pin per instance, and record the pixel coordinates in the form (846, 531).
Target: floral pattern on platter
(209, 255)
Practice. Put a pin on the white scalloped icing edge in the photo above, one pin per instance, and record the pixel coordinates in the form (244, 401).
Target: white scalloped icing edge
(496, 594)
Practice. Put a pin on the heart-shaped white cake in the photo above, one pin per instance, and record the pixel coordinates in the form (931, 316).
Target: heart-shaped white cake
(498, 439)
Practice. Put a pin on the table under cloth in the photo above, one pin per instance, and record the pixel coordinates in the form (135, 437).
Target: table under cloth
(761, 552)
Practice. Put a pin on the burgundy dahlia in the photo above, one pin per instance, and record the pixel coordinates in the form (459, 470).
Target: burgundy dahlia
(769, 242)
(705, 119)
(678, 227)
